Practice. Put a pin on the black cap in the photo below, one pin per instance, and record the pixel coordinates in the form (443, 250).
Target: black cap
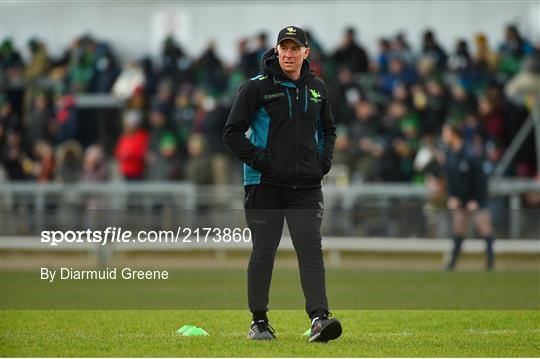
(293, 33)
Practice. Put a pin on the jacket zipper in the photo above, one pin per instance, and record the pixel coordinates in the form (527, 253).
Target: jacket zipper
(297, 135)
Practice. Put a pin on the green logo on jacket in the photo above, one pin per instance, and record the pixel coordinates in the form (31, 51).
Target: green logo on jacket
(315, 96)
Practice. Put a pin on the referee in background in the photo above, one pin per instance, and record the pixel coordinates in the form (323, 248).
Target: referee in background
(467, 193)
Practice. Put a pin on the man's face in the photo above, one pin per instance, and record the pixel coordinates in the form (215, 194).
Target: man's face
(291, 55)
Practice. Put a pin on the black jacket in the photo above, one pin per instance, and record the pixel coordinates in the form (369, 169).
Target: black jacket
(292, 128)
(466, 177)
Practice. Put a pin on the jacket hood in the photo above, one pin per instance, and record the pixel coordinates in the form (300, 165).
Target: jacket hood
(270, 67)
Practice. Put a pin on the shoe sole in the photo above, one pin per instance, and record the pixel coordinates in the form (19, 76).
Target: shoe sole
(332, 330)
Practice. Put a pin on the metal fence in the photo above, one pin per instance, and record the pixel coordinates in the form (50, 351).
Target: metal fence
(383, 205)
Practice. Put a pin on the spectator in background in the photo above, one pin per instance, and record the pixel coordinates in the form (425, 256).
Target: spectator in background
(402, 49)
(472, 132)
(342, 152)
(390, 130)
(164, 164)
(164, 97)
(69, 162)
(317, 57)
(524, 87)
(247, 60)
(492, 117)
(44, 166)
(461, 63)
(513, 49)
(171, 57)
(367, 148)
(345, 95)
(41, 124)
(66, 118)
(484, 57)
(397, 74)
(213, 126)
(11, 62)
(198, 168)
(485, 63)
(132, 146)
(94, 168)
(158, 126)
(432, 49)
(401, 93)
(210, 71)
(39, 62)
(15, 161)
(106, 69)
(496, 109)
(350, 54)
(130, 79)
(460, 103)
(262, 47)
(183, 116)
(8, 119)
(34, 70)
(385, 52)
(176, 66)
(467, 193)
(405, 145)
(426, 69)
(435, 110)
(161, 155)
(81, 67)
(150, 76)
(203, 105)
(132, 86)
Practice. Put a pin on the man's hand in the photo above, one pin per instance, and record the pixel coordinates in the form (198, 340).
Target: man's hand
(472, 205)
(453, 203)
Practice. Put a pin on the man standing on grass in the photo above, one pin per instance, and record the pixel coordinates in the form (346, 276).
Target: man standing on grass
(289, 150)
(467, 193)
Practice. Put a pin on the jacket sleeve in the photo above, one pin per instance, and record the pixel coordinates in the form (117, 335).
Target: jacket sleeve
(329, 134)
(234, 133)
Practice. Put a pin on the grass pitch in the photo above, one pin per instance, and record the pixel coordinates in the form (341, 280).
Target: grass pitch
(226, 289)
(384, 313)
(373, 333)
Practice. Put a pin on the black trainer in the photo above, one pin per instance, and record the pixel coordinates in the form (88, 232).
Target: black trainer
(261, 330)
(324, 329)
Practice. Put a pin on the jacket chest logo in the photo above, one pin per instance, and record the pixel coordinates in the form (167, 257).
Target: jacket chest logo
(463, 166)
(273, 96)
(315, 96)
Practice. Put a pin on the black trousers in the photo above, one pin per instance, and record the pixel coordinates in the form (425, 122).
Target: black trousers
(266, 208)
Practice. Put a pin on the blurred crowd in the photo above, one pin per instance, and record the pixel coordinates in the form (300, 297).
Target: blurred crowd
(389, 107)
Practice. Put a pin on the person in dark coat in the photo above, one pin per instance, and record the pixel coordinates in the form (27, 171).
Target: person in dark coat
(351, 54)
(289, 150)
(467, 193)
